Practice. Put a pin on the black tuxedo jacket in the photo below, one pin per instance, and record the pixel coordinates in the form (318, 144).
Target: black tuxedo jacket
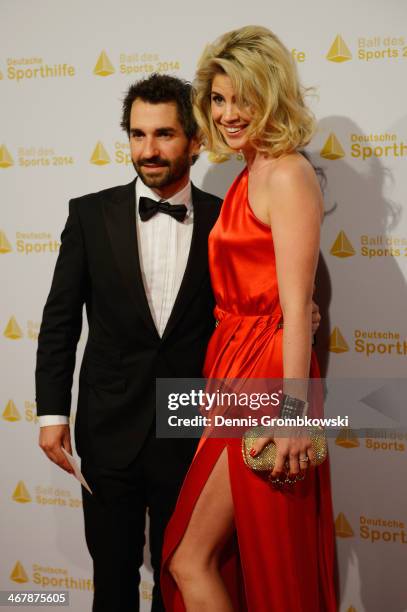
(98, 265)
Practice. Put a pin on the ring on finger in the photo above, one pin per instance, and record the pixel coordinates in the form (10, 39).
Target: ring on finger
(275, 481)
(304, 459)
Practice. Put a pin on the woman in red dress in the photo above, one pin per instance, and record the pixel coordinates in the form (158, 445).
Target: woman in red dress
(237, 541)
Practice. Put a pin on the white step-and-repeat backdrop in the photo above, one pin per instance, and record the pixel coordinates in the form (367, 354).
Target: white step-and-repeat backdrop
(64, 67)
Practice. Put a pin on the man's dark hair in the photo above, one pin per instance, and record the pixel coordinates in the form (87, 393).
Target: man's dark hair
(160, 88)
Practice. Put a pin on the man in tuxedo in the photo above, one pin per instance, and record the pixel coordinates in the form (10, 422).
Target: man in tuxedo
(136, 257)
(143, 276)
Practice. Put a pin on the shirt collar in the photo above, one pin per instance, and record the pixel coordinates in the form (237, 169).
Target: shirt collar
(184, 196)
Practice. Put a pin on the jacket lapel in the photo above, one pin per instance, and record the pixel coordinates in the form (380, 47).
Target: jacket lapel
(197, 265)
(120, 218)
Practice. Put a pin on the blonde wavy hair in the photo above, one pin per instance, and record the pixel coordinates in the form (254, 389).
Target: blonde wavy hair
(265, 79)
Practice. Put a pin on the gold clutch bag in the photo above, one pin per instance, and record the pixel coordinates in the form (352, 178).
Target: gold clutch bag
(264, 461)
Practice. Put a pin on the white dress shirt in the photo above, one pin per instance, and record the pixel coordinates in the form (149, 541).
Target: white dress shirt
(164, 244)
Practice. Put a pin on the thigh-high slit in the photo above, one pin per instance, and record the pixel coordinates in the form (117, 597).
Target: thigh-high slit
(282, 554)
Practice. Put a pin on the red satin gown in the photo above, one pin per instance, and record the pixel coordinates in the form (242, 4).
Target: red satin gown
(282, 559)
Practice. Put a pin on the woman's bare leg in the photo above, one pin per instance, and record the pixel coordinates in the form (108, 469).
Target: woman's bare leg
(195, 563)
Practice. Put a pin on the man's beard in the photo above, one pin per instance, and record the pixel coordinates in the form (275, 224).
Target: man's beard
(172, 172)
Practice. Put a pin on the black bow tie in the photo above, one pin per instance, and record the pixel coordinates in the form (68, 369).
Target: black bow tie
(148, 208)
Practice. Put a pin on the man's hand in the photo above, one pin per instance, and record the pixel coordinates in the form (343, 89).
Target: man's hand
(316, 317)
(52, 438)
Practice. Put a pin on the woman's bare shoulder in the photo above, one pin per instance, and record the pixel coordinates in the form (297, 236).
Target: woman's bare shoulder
(292, 169)
(290, 180)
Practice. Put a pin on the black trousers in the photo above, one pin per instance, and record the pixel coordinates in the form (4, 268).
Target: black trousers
(115, 520)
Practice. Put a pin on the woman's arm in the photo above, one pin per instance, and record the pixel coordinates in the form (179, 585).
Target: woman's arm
(287, 196)
(294, 211)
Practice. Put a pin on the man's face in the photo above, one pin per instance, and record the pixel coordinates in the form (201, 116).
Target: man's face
(160, 150)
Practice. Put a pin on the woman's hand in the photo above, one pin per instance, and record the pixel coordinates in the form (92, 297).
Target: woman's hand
(294, 454)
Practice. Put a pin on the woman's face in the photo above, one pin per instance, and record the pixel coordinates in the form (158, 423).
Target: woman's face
(231, 120)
